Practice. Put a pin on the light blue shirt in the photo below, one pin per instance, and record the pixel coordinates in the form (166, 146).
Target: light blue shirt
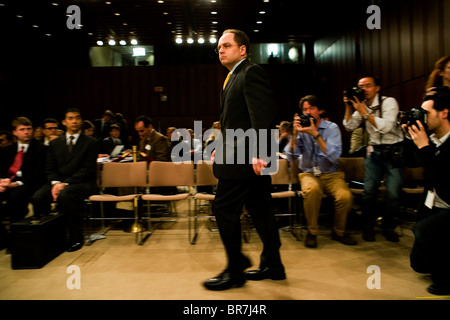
(310, 154)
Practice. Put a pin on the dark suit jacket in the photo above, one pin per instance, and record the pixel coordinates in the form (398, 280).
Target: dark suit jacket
(246, 103)
(33, 163)
(435, 164)
(78, 167)
(108, 145)
(156, 146)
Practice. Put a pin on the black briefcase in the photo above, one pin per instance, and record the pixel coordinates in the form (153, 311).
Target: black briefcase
(35, 242)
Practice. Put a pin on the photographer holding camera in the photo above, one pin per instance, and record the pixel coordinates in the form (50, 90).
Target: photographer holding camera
(318, 144)
(383, 156)
(428, 143)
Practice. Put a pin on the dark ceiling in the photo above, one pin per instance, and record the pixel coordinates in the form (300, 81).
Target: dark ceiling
(153, 22)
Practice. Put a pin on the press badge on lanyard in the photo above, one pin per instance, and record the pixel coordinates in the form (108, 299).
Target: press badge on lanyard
(317, 171)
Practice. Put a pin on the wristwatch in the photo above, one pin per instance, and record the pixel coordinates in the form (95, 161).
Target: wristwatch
(366, 116)
(317, 137)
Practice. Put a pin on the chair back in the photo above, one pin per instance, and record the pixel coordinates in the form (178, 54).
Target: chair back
(282, 176)
(124, 174)
(353, 168)
(170, 174)
(204, 174)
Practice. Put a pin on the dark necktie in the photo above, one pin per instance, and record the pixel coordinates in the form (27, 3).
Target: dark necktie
(70, 146)
(17, 164)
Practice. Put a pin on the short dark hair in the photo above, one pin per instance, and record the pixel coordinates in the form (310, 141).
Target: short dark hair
(114, 126)
(441, 98)
(146, 120)
(313, 101)
(49, 120)
(240, 37)
(73, 110)
(376, 80)
(21, 121)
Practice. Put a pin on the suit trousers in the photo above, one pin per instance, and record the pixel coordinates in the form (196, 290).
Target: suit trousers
(70, 203)
(328, 184)
(254, 193)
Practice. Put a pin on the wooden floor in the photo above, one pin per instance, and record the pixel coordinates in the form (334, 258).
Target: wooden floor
(168, 267)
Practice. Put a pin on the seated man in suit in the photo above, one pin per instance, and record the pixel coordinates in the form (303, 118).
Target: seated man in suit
(71, 176)
(108, 144)
(21, 171)
(154, 144)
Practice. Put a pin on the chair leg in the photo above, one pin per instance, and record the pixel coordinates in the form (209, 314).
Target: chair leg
(149, 226)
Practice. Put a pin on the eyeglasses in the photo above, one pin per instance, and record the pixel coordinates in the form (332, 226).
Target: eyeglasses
(51, 128)
(225, 46)
(366, 86)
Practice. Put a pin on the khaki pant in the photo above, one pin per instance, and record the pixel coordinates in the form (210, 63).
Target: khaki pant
(315, 188)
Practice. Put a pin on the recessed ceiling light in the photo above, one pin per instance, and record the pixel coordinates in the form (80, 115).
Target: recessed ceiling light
(117, 14)
(99, 42)
(201, 40)
(160, 1)
(213, 12)
(112, 42)
(262, 12)
(190, 40)
(122, 42)
(134, 42)
(108, 2)
(259, 22)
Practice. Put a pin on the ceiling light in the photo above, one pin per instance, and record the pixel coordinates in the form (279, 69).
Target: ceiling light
(214, 22)
(212, 40)
(134, 42)
(179, 40)
(108, 2)
(258, 22)
(262, 12)
(213, 12)
(122, 42)
(190, 40)
(117, 14)
(160, 1)
(99, 42)
(55, 4)
(201, 40)
(35, 26)
(112, 42)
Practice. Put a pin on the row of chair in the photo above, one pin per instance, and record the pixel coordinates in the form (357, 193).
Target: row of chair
(141, 177)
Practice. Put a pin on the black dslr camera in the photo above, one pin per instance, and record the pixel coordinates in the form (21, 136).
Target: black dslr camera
(351, 93)
(410, 117)
(304, 120)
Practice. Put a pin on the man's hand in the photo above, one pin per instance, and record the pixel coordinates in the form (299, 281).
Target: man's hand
(311, 129)
(418, 134)
(258, 165)
(56, 189)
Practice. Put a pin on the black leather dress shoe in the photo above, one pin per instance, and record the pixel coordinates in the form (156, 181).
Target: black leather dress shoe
(75, 247)
(439, 290)
(266, 273)
(224, 281)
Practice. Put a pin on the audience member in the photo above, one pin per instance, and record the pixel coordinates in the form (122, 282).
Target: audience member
(108, 144)
(286, 130)
(440, 76)
(38, 134)
(152, 143)
(88, 128)
(429, 144)
(318, 143)
(124, 132)
(102, 125)
(50, 127)
(71, 176)
(6, 139)
(21, 169)
(21, 172)
(383, 156)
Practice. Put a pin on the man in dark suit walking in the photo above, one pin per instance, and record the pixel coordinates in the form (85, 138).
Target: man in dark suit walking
(21, 172)
(71, 175)
(246, 104)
